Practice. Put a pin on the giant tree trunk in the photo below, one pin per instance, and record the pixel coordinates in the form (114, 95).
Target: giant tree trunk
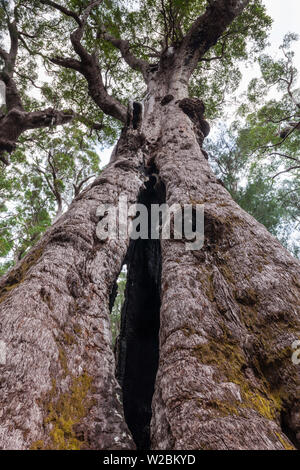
(58, 388)
(228, 313)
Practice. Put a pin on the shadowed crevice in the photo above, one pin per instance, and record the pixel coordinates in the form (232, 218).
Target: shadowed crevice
(289, 424)
(139, 337)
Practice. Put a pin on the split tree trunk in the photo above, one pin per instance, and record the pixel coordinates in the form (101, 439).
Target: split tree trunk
(229, 313)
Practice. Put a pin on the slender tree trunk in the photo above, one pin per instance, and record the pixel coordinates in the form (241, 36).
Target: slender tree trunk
(58, 387)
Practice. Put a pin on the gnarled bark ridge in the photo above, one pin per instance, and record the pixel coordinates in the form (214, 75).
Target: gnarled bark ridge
(229, 316)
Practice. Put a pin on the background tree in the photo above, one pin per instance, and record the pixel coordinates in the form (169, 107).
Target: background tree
(257, 158)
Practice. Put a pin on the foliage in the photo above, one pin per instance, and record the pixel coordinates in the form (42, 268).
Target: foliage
(48, 164)
(45, 172)
(115, 317)
(151, 26)
(257, 158)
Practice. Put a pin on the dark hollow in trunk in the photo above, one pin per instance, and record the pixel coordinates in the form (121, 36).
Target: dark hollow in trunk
(139, 336)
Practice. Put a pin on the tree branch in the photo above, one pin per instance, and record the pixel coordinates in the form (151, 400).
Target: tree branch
(78, 187)
(208, 28)
(3, 54)
(89, 67)
(63, 10)
(286, 171)
(67, 62)
(209, 59)
(124, 47)
(13, 32)
(12, 96)
(289, 157)
(47, 117)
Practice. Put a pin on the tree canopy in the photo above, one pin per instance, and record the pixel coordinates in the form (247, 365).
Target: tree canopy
(78, 63)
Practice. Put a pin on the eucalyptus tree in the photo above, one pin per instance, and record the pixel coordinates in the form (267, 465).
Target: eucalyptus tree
(272, 112)
(206, 335)
(46, 172)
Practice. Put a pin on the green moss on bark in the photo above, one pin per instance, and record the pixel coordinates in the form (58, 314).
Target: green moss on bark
(17, 275)
(230, 362)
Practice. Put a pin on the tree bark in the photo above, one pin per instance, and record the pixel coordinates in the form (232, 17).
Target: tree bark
(17, 121)
(229, 312)
(58, 387)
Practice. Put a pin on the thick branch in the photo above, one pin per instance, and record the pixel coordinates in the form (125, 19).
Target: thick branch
(13, 33)
(3, 54)
(10, 57)
(12, 96)
(67, 62)
(17, 121)
(208, 28)
(124, 47)
(63, 10)
(47, 117)
(89, 67)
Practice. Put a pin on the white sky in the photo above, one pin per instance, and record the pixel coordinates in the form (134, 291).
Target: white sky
(286, 16)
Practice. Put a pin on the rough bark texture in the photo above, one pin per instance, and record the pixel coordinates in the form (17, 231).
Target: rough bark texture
(229, 312)
(229, 315)
(58, 388)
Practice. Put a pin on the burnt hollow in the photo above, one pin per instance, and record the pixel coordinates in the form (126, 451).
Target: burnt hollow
(138, 341)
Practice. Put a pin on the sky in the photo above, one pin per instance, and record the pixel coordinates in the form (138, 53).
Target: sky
(286, 18)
